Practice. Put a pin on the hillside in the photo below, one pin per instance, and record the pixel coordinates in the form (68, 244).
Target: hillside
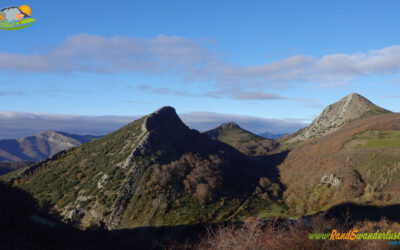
(6, 167)
(334, 116)
(39, 146)
(154, 171)
(243, 140)
(23, 226)
(359, 162)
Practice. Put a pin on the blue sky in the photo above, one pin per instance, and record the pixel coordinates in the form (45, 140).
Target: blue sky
(266, 59)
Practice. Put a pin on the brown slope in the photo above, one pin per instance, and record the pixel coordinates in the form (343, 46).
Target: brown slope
(352, 171)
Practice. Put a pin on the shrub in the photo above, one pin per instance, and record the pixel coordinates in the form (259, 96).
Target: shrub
(195, 174)
(204, 193)
(266, 188)
(79, 175)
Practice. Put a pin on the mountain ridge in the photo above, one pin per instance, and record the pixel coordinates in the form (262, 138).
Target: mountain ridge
(39, 146)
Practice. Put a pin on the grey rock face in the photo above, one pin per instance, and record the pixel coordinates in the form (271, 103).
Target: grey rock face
(336, 115)
(76, 214)
(331, 180)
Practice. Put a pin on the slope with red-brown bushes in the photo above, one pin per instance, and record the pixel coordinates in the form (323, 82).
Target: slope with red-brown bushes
(345, 165)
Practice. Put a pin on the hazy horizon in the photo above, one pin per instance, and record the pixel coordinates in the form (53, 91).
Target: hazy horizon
(22, 124)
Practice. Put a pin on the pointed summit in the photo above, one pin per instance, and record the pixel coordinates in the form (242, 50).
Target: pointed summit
(348, 108)
(45, 133)
(165, 111)
(164, 119)
(230, 125)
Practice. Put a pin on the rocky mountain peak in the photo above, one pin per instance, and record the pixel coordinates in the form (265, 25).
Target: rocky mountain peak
(164, 119)
(46, 133)
(230, 125)
(166, 110)
(355, 94)
(348, 108)
(56, 138)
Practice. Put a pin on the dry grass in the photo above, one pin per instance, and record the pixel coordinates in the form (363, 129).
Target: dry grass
(254, 235)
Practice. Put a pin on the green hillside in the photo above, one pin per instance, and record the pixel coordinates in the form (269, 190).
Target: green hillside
(154, 171)
(243, 140)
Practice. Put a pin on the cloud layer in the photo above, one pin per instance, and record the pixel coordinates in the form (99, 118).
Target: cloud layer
(90, 53)
(194, 62)
(20, 124)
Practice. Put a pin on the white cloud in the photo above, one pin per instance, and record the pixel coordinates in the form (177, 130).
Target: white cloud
(255, 95)
(235, 94)
(194, 62)
(90, 53)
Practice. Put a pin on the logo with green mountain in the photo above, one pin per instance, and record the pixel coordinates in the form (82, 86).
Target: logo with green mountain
(16, 18)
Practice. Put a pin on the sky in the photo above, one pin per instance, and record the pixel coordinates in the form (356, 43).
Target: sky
(281, 61)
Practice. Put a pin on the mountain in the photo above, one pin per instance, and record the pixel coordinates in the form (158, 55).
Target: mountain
(272, 136)
(39, 146)
(153, 172)
(334, 116)
(358, 162)
(243, 140)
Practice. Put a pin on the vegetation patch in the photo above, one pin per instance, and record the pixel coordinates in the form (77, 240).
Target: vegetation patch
(379, 138)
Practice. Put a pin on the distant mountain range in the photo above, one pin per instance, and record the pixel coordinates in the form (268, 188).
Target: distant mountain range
(272, 136)
(39, 146)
